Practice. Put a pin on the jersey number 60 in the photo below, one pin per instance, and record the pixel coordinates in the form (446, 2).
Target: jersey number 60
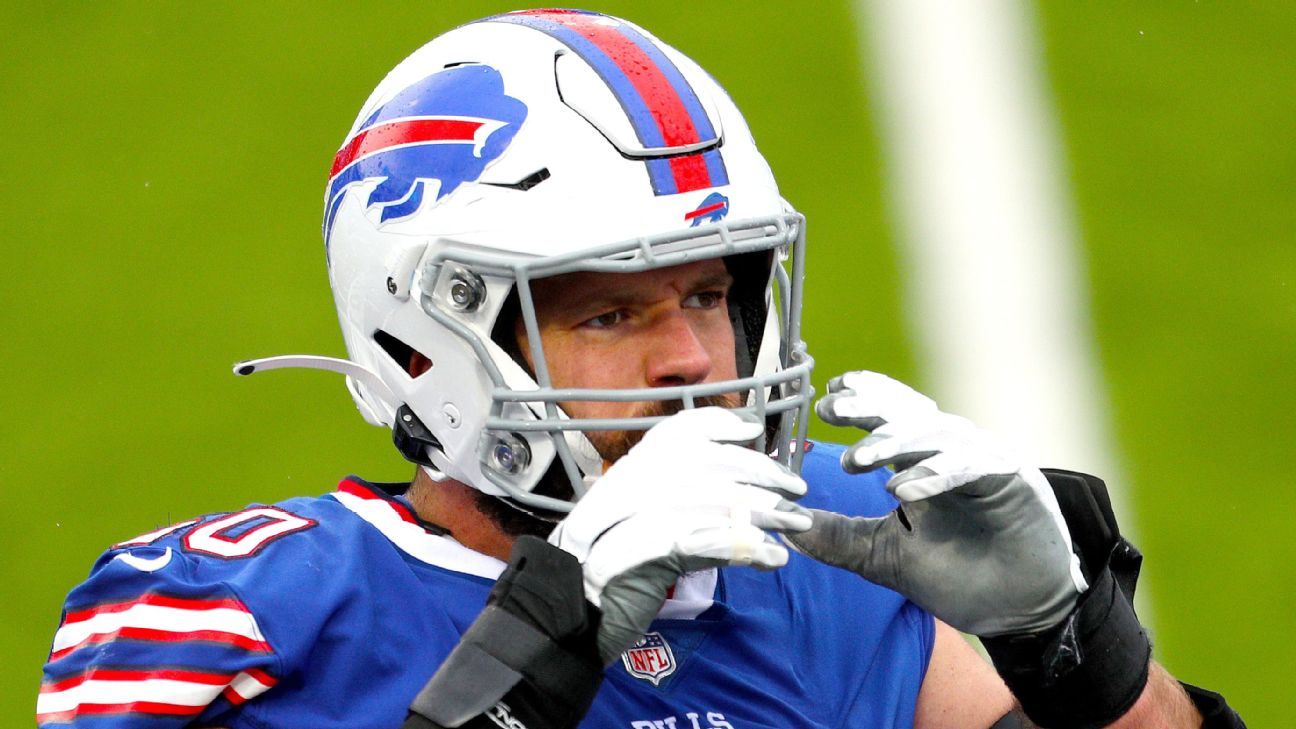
(233, 536)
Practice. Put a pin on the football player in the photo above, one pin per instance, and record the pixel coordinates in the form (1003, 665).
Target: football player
(569, 286)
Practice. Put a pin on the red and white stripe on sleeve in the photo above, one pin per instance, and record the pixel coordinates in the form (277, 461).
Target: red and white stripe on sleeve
(175, 623)
(161, 618)
(167, 692)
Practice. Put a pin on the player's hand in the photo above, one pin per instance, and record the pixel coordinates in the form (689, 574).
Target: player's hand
(687, 497)
(978, 539)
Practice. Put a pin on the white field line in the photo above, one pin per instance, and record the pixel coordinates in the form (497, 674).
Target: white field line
(995, 292)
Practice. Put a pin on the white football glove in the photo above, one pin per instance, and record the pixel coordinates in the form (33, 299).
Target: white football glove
(686, 498)
(978, 539)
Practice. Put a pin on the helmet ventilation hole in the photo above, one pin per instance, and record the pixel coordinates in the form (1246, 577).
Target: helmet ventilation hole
(524, 184)
(401, 353)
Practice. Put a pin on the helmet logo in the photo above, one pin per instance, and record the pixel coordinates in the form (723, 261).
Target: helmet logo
(712, 210)
(439, 133)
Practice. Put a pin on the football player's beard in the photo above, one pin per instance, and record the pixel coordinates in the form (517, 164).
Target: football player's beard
(613, 444)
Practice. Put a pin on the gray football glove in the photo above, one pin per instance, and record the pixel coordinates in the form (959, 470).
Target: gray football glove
(978, 539)
(686, 498)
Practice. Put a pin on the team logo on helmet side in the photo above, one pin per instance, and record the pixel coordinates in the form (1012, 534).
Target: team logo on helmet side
(712, 210)
(650, 659)
(439, 133)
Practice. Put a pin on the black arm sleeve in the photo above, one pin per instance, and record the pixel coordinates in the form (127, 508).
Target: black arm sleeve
(529, 661)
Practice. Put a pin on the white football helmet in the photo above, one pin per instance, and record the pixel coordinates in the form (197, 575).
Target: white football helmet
(529, 145)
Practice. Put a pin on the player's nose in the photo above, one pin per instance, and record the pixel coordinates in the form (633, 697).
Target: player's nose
(675, 354)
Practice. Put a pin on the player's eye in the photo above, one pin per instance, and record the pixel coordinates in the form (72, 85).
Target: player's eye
(606, 320)
(705, 300)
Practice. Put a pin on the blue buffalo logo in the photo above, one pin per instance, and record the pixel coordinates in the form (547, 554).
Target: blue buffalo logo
(439, 133)
(712, 210)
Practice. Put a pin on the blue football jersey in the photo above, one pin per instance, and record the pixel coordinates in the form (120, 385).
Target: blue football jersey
(334, 611)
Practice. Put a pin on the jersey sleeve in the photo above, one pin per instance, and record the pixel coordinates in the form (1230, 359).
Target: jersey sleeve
(153, 639)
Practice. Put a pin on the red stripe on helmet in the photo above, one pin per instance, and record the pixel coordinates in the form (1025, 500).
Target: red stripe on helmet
(406, 131)
(690, 172)
(663, 101)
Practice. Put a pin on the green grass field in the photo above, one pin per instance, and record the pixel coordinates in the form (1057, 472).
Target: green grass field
(161, 203)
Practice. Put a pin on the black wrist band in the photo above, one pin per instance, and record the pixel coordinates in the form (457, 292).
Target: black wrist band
(1085, 673)
(1091, 668)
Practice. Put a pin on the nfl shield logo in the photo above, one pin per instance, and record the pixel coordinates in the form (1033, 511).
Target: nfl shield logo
(650, 658)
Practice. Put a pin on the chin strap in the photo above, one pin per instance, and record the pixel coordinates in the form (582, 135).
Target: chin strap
(355, 374)
(412, 438)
